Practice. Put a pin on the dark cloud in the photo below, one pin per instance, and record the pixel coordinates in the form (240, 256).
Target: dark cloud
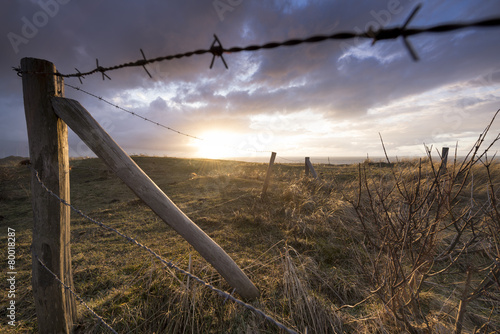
(336, 81)
(158, 104)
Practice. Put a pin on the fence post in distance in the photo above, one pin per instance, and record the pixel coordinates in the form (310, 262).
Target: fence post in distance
(310, 168)
(444, 160)
(268, 175)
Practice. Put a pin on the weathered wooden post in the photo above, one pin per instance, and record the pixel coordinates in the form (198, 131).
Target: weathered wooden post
(268, 175)
(310, 168)
(444, 160)
(48, 143)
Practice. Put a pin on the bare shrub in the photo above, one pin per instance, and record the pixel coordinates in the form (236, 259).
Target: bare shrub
(427, 228)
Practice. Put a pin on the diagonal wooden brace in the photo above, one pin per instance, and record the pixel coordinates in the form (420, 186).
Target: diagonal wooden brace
(99, 141)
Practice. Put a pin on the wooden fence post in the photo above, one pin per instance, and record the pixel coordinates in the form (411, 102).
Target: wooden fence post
(99, 141)
(310, 168)
(48, 145)
(268, 175)
(444, 160)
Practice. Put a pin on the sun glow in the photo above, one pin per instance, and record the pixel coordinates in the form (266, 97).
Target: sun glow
(218, 145)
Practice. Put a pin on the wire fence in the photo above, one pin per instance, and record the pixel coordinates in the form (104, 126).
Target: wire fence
(164, 262)
(217, 50)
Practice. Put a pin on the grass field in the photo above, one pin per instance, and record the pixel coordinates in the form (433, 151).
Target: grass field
(370, 248)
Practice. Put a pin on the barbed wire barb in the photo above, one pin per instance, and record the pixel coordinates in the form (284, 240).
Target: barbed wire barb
(144, 66)
(410, 49)
(386, 33)
(101, 69)
(80, 77)
(217, 51)
(406, 42)
(18, 70)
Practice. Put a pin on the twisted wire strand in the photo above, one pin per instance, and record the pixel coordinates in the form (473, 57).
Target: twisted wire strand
(166, 263)
(74, 294)
(380, 34)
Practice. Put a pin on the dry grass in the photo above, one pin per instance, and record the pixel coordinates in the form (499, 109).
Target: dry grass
(374, 248)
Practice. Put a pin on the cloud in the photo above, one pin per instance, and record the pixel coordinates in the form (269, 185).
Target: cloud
(158, 104)
(351, 87)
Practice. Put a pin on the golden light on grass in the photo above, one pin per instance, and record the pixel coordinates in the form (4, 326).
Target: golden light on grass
(321, 252)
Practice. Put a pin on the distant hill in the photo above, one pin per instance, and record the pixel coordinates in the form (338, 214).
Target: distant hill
(11, 161)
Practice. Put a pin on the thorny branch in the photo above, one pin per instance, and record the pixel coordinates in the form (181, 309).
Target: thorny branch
(427, 226)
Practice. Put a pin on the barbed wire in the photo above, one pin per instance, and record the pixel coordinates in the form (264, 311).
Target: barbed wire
(74, 294)
(166, 263)
(217, 50)
(159, 124)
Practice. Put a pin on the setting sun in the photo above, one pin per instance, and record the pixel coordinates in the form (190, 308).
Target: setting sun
(218, 144)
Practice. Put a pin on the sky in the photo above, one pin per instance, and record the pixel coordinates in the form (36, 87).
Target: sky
(334, 98)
